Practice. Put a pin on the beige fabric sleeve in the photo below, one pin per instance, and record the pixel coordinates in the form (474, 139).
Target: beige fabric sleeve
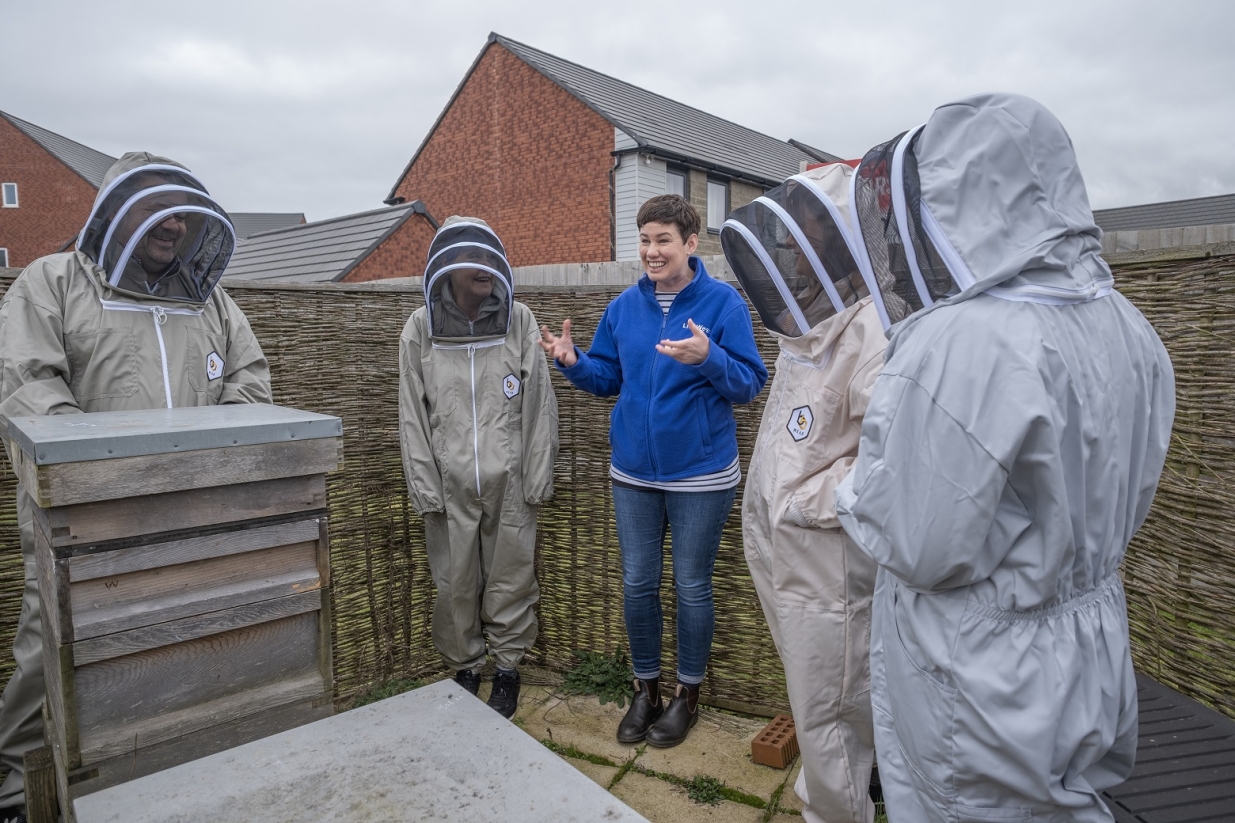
(424, 479)
(247, 379)
(34, 367)
(540, 421)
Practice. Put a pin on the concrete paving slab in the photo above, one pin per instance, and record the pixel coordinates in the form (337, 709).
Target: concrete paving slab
(662, 802)
(718, 746)
(789, 799)
(435, 753)
(578, 721)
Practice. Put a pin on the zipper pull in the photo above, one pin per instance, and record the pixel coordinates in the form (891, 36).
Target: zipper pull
(160, 316)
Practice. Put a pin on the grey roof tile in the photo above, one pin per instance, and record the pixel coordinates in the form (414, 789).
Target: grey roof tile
(249, 223)
(659, 123)
(319, 252)
(1200, 211)
(91, 165)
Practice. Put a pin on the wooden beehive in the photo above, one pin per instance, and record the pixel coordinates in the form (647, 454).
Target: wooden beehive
(184, 570)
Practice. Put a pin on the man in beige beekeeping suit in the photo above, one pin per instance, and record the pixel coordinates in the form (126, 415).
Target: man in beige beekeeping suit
(478, 423)
(791, 250)
(130, 320)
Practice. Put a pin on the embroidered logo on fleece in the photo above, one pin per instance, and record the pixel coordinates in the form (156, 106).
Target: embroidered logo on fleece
(510, 385)
(800, 422)
(214, 366)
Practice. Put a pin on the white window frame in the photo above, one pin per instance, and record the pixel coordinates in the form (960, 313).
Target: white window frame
(4, 258)
(714, 222)
(7, 187)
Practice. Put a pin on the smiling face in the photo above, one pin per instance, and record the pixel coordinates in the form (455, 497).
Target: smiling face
(666, 256)
(157, 248)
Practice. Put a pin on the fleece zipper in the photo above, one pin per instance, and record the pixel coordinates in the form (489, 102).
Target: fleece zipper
(159, 315)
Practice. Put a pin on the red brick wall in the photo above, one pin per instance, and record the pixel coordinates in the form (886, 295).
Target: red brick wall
(402, 254)
(53, 201)
(519, 152)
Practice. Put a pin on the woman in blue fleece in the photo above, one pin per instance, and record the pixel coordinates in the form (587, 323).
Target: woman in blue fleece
(678, 349)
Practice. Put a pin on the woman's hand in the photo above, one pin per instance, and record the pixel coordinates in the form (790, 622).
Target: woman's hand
(561, 349)
(692, 351)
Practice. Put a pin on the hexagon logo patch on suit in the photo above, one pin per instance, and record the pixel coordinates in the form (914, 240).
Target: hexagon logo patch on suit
(214, 366)
(510, 385)
(800, 421)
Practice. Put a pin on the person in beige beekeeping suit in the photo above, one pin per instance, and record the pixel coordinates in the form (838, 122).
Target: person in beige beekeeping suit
(478, 424)
(792, 252)
(130, 320)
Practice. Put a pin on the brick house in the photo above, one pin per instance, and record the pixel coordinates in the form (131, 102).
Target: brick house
(558, 158)
(47, 185)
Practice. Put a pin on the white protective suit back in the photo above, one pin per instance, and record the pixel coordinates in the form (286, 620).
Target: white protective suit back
(987, 197)
(467, 262)
(792, 251)
(156, 232)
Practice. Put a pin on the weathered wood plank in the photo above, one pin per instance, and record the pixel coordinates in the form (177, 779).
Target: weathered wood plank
(66, 484)
(225, 735)
(128, 601)
(138, 558)
(102, 521)
(53, 583)
(120, 741)
(151, 691)
(192, 628)
(40, 767)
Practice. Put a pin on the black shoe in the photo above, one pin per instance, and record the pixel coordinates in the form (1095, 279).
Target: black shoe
(468, 679)
(504, 698)
(13, 814)
(645, 709)
(679, 718)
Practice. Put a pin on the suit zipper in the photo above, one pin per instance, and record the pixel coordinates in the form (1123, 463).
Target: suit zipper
(160, 317)
(471, 353)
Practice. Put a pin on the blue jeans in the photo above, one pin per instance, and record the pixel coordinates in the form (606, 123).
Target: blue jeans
(696, 521)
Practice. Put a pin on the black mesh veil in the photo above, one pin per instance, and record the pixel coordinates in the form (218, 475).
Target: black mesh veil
(156, 232)
(904, 268)
(791, 251)
(469, 286)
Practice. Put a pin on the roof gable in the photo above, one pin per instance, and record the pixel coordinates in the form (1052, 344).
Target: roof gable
(1200, 211)
(89, 164)
(657, 124)
(320, 252)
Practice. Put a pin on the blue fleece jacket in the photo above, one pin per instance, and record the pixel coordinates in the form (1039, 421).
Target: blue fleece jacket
(672, 421)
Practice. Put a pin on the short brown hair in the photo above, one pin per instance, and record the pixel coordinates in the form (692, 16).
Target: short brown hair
(670, 208)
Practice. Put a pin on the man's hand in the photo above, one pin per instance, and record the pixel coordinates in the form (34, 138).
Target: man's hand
(561, 349)
(692, 351)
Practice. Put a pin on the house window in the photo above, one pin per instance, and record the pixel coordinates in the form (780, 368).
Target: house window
(10, 195)
(718, 204)
(675, 182)
(4, 258)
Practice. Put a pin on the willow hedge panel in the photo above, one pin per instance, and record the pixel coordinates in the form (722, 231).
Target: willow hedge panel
(334, 349)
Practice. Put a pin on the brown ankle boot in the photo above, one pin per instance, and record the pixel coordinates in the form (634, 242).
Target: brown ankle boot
(645, 708)
(679, 718)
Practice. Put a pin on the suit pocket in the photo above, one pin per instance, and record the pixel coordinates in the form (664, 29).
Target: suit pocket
(975, 814)
(103, 363)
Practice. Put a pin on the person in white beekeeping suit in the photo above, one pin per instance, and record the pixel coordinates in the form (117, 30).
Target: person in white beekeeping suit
(1010, 451)
(479, 429)
(793, 253)
(130, 320)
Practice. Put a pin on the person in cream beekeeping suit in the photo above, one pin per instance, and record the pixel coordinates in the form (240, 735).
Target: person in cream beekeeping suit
(132, 319)
(478, 424)
(1010, 451)
(793, 254)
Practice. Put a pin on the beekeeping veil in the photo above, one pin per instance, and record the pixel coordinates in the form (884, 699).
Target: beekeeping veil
(986, 197)
(156, 232)
(468, 273)
(792, 251)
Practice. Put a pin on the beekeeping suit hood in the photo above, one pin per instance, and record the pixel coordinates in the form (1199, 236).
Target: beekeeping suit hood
(986, 197)
(467, 267)
(792, 251)
(155, 232)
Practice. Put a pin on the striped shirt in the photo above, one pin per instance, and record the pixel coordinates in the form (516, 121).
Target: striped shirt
(726, 478)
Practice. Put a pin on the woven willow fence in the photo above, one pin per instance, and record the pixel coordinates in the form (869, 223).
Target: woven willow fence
(334, 349)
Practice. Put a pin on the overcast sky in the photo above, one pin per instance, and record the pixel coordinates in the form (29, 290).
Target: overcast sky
(316, 106)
